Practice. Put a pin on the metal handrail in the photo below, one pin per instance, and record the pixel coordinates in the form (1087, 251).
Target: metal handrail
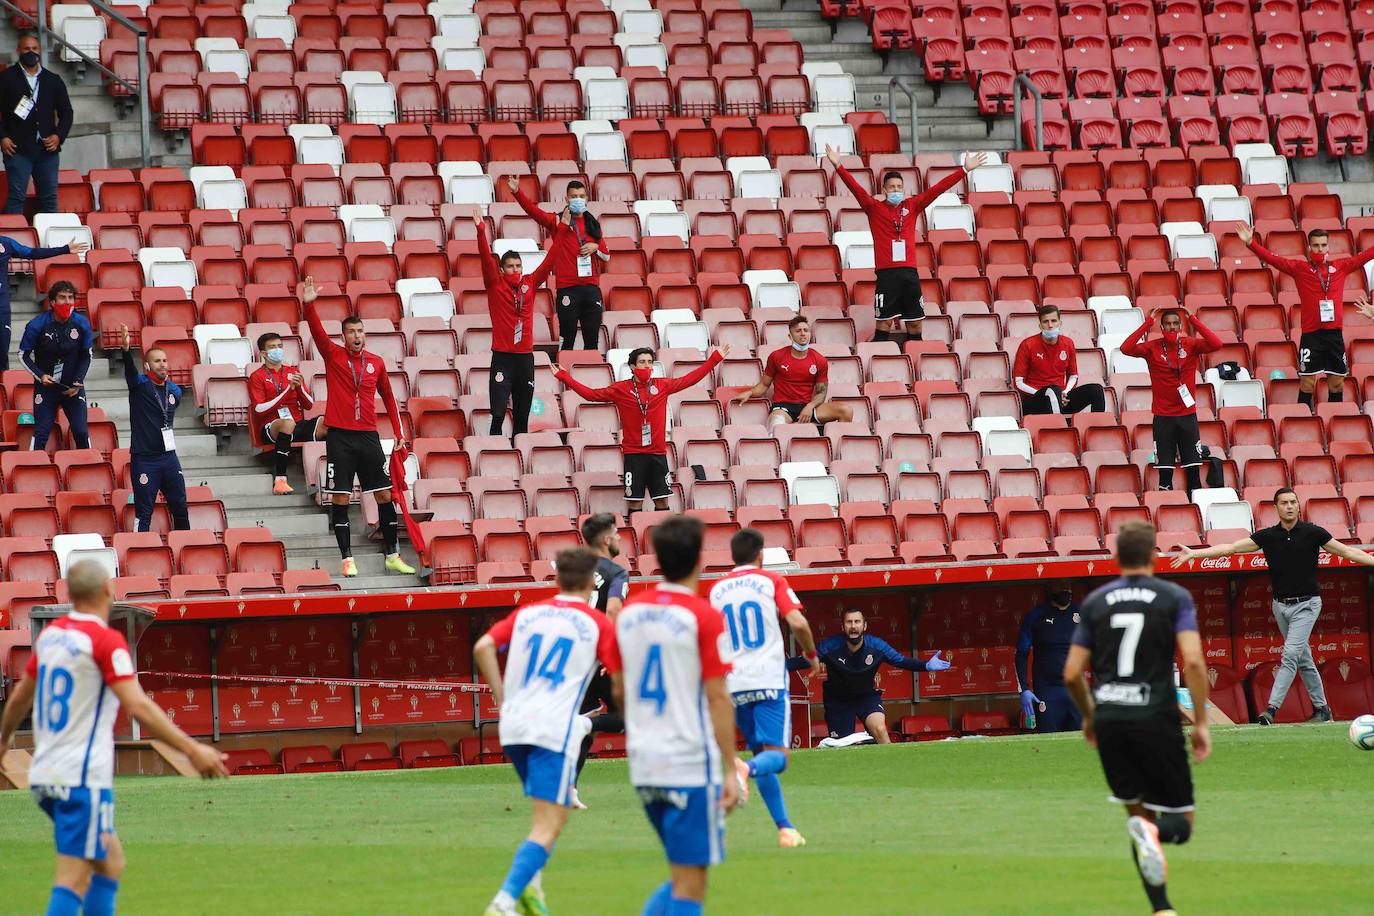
(40, 20)
(1017, 84)
(898, 82)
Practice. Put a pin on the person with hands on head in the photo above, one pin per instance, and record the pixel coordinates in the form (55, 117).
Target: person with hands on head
(280, 398)
(1045, 372)
(892, 222)
(802, 379)
(1130, 629)
(578, 256)
(510, 300)
(35, 117)
(1172, 360)
(1321, 294)
(56, 348)
(81, 673)
(353, 449)
(10, 249)
(1291, 549)
(153, 463)
(642, 402)
(851, 661)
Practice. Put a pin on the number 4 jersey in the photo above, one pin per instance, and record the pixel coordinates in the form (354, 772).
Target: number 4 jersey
(669, 642)
(1130, 626)
(555, 647)
(75, 661)
(754, 602)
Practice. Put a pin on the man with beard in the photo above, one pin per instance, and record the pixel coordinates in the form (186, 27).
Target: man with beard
(851, 663)
(610, 583)
(1048, 632)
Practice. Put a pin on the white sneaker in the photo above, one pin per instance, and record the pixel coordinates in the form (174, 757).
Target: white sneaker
(1153, 867)
(577, 801)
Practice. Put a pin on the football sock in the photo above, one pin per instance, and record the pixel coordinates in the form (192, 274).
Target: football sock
(1194, 479)
(529, 859)
(386, 517)
(679, 907)
(770, 790)
(283, 453)
(1173, 828)
(1166, 478)
(880, 336)
(64, 902)
(899, 339)
(338, 516)
(657, 904)
(767, 762)
(1335, 397)
(1159, 899)
(1306, 397)
(100, 898)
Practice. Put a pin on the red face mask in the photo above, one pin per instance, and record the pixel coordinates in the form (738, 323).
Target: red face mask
(643, 374)
(63, 310)
(1171, 338)
(1318, 257)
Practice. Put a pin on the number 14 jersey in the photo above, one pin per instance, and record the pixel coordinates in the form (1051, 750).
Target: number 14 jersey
(555, 647)
(754, 602)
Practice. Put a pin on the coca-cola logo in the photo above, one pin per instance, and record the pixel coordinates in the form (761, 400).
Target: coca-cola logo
(1326, 647)
(1216, 653)
(1215, 563)
(1259, 562)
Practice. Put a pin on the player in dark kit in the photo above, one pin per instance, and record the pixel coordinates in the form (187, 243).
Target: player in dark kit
(851, 664)
(610, 583)
(1128, 634)
(1048, 630)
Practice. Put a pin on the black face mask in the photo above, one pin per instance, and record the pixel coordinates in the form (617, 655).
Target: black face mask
(29, 59)
(1061, 598)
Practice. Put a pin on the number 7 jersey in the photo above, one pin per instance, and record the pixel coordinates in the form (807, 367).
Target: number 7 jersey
(754, 602)
(554, 649)
(669, 642)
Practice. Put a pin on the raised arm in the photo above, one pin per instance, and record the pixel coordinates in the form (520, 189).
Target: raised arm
(1208, 341)
(1134, 344)
(491, 269)
(671, 385)
(531, 207)
(18, 249)
(1244, 545)
(895, 658)
(1359, 260)
(323, 342)
(601, 395)
(1282, 264)
(541, 273)
(131, 375)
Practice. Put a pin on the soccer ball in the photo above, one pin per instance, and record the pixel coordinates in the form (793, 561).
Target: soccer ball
(1362, 733)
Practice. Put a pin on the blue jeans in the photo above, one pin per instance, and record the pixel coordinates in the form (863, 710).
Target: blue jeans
(42, 167)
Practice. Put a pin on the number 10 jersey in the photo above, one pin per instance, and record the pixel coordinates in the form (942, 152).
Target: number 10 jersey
(754, 602)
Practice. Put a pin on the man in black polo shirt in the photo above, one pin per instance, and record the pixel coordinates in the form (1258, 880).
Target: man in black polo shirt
(1290, 548)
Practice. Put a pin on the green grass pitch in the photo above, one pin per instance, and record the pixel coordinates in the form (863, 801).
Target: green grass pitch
(1015, 825)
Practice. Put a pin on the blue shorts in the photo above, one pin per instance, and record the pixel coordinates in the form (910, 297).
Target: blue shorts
(765, 721)
(546, 775)
(689, 822)
(82, 819)
(840, 715)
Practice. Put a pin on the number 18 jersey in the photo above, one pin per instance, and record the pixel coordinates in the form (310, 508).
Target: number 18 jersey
(554, 648)
(74, 662)
(669, 641)
(753, 602)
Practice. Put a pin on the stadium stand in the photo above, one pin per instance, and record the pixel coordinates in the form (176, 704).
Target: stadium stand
(360, 144)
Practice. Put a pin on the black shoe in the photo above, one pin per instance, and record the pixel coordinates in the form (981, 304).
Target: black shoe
(1267, 717)
(1321, 714)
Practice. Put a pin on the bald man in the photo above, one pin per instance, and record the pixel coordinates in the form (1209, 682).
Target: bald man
(87, 673)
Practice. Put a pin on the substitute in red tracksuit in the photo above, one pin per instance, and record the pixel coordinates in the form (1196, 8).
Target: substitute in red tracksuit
(1173, 362)
(279, 399)
(352, 447)
(643, 404)
(1321, 292)
(1046, 372)
(577, 258)
(510, 300)
(892, 222)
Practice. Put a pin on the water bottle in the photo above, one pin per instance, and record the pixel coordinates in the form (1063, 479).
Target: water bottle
(1030, 719)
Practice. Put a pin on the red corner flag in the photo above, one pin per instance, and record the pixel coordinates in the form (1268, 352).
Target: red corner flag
(398, 496)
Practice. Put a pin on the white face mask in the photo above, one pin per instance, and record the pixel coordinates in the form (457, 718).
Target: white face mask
(801, 348)
(1050, 336)
(895, 197)
(276, 355)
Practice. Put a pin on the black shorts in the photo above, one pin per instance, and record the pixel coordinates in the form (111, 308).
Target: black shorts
(792, 410)
(1322, 352)
(898, 295)
(1146, 762)
(353, 453)
(304, 432)
(1178, 438)
(840, 715)
(647, 472)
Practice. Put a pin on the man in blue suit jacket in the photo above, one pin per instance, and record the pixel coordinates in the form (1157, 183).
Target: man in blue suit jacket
(35, 118)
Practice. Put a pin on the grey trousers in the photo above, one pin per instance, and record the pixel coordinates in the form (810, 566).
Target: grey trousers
(1295, 623)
